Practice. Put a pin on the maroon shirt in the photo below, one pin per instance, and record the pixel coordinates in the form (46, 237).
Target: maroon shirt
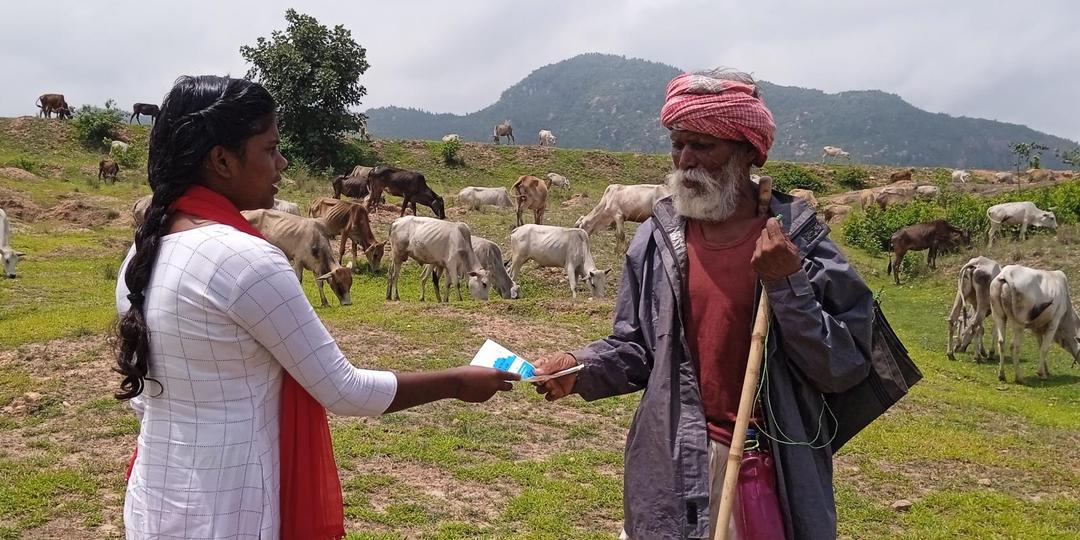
(719, 320)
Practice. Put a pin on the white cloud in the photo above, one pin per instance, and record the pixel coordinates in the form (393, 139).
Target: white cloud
(966, 57)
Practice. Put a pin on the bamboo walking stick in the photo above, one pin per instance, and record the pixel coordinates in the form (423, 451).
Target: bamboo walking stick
(749, 391)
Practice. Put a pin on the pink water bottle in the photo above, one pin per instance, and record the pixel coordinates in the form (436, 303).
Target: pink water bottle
(760, 517)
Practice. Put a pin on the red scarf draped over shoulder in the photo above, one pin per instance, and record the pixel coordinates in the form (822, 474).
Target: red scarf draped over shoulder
(311, 502)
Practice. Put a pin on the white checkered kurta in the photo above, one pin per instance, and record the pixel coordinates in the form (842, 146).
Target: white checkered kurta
(226, 313)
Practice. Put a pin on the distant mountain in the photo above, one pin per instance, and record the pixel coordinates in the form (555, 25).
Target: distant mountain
(612, 102)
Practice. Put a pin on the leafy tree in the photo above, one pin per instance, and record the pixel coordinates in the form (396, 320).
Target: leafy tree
(314, 74)
(92, 124)
(1070, 157)
(1029, 152)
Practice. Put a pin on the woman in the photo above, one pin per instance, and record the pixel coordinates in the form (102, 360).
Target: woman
(222, 356)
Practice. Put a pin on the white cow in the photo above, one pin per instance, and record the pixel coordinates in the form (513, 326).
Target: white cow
(621, 203)
(834, 151)
(960, 175)
(305, 242)
(446, 245)
(10, 256)
(972, 289)
(1025, 214)
(116, 146)
(451, 137)
(491, 259)
(475, 197)
(557, 247)
(806, 195)
(286, 206)
(558, 180)
(927, 193)
(545, 138)
(1037, 300)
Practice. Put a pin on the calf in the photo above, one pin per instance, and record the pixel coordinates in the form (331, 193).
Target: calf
(350, 186)
(558, 180)
(140, 109)
(9, 256)
(621, 203)
(491, 259)
(444, 244)
(557, 247)
(350, 220)
(1037, 300)
(933, 235)
(972, 289)
(303, 241)
(530, 193)
(107, 169)
(410, 186)
(1023, 213)
(475, 197)
(545, 138)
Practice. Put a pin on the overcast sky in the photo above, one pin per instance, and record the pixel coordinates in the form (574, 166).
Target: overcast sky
(1019, 62)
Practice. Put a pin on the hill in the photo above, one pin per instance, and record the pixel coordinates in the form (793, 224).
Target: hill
(612, 102)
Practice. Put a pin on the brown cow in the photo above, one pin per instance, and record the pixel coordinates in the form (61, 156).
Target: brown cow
(50, 103)
(149, 109)
(503, 130)
(933, 235)
(350, 220)
(410, 186)
(107, 168)
(350, 186)
(530, 193)
(901, 176)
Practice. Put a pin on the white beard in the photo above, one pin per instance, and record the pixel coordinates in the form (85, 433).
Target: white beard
(699, 195)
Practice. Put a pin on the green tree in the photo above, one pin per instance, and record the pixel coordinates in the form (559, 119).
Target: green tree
(92, 124)
(313, 72)
(1070, 157)
(1029, 152)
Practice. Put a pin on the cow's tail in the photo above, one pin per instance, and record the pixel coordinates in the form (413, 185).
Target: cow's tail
(889, 269)
(517, 192)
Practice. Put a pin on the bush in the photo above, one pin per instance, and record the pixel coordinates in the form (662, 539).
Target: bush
(131, 158)
(789, 176)
(448, 151)
(871, 230)
(27, 164)
(92, 124)
(852, 177)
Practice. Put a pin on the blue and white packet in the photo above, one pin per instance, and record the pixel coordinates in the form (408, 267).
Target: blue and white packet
(496, 356)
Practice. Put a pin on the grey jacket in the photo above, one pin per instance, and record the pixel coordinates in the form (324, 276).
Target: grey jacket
(819, 342)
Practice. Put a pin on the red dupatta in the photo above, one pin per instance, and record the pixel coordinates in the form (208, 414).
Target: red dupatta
(310, 498)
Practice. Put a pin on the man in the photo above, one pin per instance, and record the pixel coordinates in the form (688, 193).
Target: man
(683, 320)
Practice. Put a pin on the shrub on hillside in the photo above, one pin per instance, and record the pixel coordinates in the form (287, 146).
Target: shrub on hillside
(852, 177)
(448, 152)
(25, 163)
(789, 176)
(871, 230)
(130, 158)
(92, 124)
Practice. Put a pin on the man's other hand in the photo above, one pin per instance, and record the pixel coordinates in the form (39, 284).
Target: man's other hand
(775, 256)
(559, 387)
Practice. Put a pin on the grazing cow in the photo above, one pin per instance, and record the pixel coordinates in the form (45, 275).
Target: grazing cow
(50, 103)
(557, 247)
(1036, 176)
(1024, 213)
(622, 203)
(107, 169)
(148, 109)
(7, 253)
(806, 195)
(1037, 300)
(304, 241)
(1005, 178)
(286, 206)
(350, 220)
(451, 137)
(545, 138)
(115, 146)
(901, 176)
(835, 152)
(475, 197)
(972, 289)
(893, 195)
(410, 186)
(558, 180)
(446, 245)
(933, 235)
(350, 186)
(960, 175)
(503, 130)
(836, 213)
(492, 260)
(530, 193)
(138, 210)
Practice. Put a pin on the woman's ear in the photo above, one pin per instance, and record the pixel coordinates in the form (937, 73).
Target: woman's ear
(220, 162)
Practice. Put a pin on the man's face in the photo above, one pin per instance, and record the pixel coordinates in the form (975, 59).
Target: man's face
(709, 175)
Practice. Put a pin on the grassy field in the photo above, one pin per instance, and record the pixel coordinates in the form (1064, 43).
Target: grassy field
(977, 458)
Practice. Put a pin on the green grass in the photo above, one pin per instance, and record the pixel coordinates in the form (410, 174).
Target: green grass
(516, 466)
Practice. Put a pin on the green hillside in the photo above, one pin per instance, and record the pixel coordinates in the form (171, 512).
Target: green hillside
(612, 102)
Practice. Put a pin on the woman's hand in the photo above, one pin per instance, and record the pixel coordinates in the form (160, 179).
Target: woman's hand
(475, 384)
